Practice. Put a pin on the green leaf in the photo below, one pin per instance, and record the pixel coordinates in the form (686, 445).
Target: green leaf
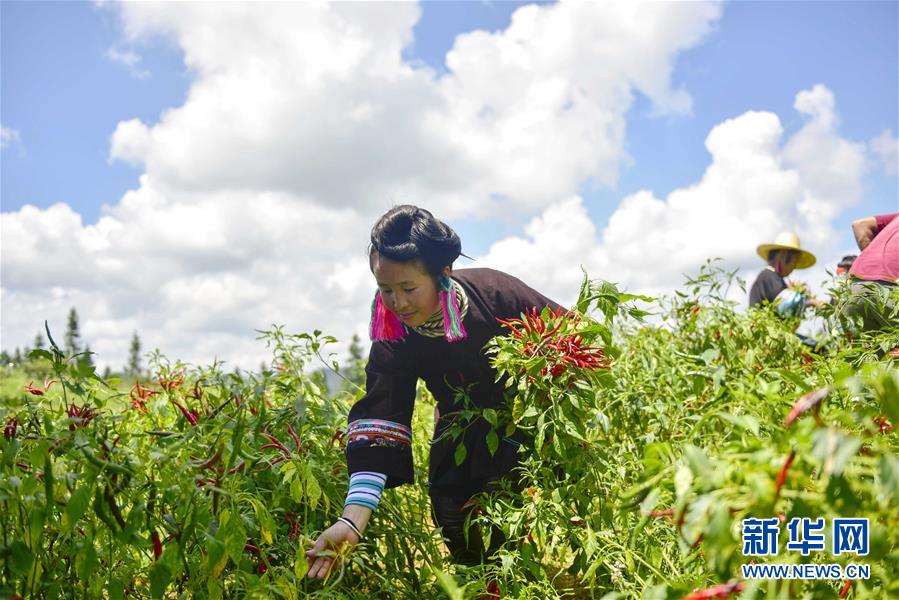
(889, 475)
(39, 353)
(888, 393)
(86, 560)
(698, 462)
(449, 585)
(76, 507)
(492, 442)
(116, 589)
(461, 453)
(296, 489)
(160, 575)
(234, 537)
(216, 559)
(36, 525)
(313, 491)
(20, 558)
(300, 565)
(834, 450)
(747, 422)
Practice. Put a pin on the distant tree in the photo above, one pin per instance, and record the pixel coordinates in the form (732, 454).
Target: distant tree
(87, 358)
(73, 336)
(355, 366)
(133, 367)
(39, 341)
(107, 372)
(17, 357)
(262, 368)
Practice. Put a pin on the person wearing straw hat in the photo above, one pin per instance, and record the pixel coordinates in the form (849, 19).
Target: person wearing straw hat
(782, 256)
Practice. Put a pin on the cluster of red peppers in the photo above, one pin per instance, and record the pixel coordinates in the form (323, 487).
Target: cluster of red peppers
(80, 415)
(276, 444)
(139, 396)
(566, 351)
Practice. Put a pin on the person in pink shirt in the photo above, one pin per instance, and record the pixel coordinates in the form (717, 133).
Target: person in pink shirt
(874, 276)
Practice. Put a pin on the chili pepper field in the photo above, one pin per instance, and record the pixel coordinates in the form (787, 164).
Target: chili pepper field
(651, 440)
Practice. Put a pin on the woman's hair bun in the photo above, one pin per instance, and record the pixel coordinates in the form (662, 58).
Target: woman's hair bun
(408, 232)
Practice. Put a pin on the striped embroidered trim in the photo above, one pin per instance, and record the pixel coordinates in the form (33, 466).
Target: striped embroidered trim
(365, 489)
(378, 432)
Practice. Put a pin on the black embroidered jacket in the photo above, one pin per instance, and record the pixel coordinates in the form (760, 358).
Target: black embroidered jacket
(379, 435)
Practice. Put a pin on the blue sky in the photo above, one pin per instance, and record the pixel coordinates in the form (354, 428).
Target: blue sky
(64, 96)
(64, 93)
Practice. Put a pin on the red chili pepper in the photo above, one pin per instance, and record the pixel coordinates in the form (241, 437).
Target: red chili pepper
(493, 590)
(294, 525)
(210, 462)
(577, 522)
(12, 426)
(782, 475)
(844, 590)
(277, 442)
(33, 390)
(157, 546)
(554, 330)
(170, 383)
(806, 402)
(337, 437)
(296, 438)
(191, 416)
(718, 591)
(276, 446)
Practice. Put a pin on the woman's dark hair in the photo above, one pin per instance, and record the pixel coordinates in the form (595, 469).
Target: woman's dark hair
(407, 232)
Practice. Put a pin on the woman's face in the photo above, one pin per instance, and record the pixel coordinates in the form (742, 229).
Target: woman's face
(406, 289)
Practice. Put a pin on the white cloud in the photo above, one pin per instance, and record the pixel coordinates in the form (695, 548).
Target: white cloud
(302, 124)
(130, 142)
(130, 60)
(886, 147)
(361, 127)
(756, 185)
(8, 137)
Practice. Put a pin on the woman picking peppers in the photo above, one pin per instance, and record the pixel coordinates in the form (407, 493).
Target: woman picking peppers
(428, 322)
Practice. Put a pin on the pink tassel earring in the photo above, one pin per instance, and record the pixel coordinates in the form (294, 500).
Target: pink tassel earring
(385, 326)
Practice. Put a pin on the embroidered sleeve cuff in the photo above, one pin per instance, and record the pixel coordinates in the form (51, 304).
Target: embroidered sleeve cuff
(377, 432)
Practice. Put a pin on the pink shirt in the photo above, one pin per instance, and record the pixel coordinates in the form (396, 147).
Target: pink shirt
(880, 259)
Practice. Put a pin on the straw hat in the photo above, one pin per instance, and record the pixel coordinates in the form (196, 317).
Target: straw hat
(788, 241)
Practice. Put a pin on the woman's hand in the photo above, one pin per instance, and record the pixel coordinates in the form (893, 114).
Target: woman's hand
(331, 538)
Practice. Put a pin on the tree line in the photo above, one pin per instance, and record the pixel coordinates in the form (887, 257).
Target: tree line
(72, 346)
